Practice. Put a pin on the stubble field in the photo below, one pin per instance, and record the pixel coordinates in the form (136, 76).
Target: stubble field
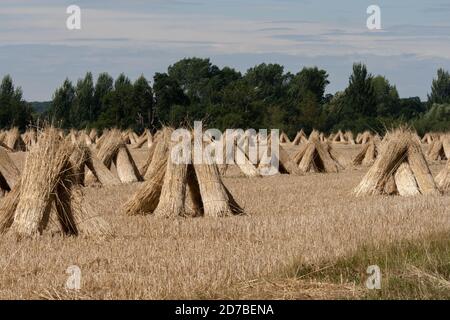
(293, 224)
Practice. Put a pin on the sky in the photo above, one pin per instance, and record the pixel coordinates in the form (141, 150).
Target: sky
(146, 36)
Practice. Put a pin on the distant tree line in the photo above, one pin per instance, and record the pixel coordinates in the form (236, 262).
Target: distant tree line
(264, 97)
(14, 110)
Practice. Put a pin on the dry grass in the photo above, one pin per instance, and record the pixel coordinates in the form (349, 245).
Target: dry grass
(410, 269)
(43, 169)
(310, 219)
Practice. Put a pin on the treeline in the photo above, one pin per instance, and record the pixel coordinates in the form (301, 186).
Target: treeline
(264, 97)
(105, 103)
(14, 110)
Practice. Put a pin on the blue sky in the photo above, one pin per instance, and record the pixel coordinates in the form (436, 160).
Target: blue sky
(146, 36)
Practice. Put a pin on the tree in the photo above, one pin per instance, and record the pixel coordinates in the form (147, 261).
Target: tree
(238, 107)
(306, 91)
(310, 112)
(268, 81)
(6, 97)
(410, 108)
(168, 93)
(437, 118)
(333, 109)
(103, 87)
(440, 88)
(119, 111)
(21, 111)
(14, 111)
(360, 93)
(218, 82)
(82, 111)
(309, 81)
(143, 102)
(275, 117)
(193, 76)
(62, 102)
(387, 98)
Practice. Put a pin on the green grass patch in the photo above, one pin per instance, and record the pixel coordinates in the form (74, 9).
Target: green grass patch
(418, 269)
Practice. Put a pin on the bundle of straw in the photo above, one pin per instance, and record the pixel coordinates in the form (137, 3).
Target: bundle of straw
(41, 174)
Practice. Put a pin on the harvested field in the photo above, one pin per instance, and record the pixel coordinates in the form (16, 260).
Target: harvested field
(308, 220)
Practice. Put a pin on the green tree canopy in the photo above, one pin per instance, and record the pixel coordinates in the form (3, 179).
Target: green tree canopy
(103, 87)
(265, 96)
(268, 81)
(309, 81)
(63, 100)
(143, 102)
(193, 76)
(440, 88)
(82, 112)
(119, 110)
(168, 93)
(14, 110)
(386, 96)
(360, 97)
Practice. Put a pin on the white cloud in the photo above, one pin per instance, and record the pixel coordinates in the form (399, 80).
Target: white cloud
(215, 34)
(35, 43)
